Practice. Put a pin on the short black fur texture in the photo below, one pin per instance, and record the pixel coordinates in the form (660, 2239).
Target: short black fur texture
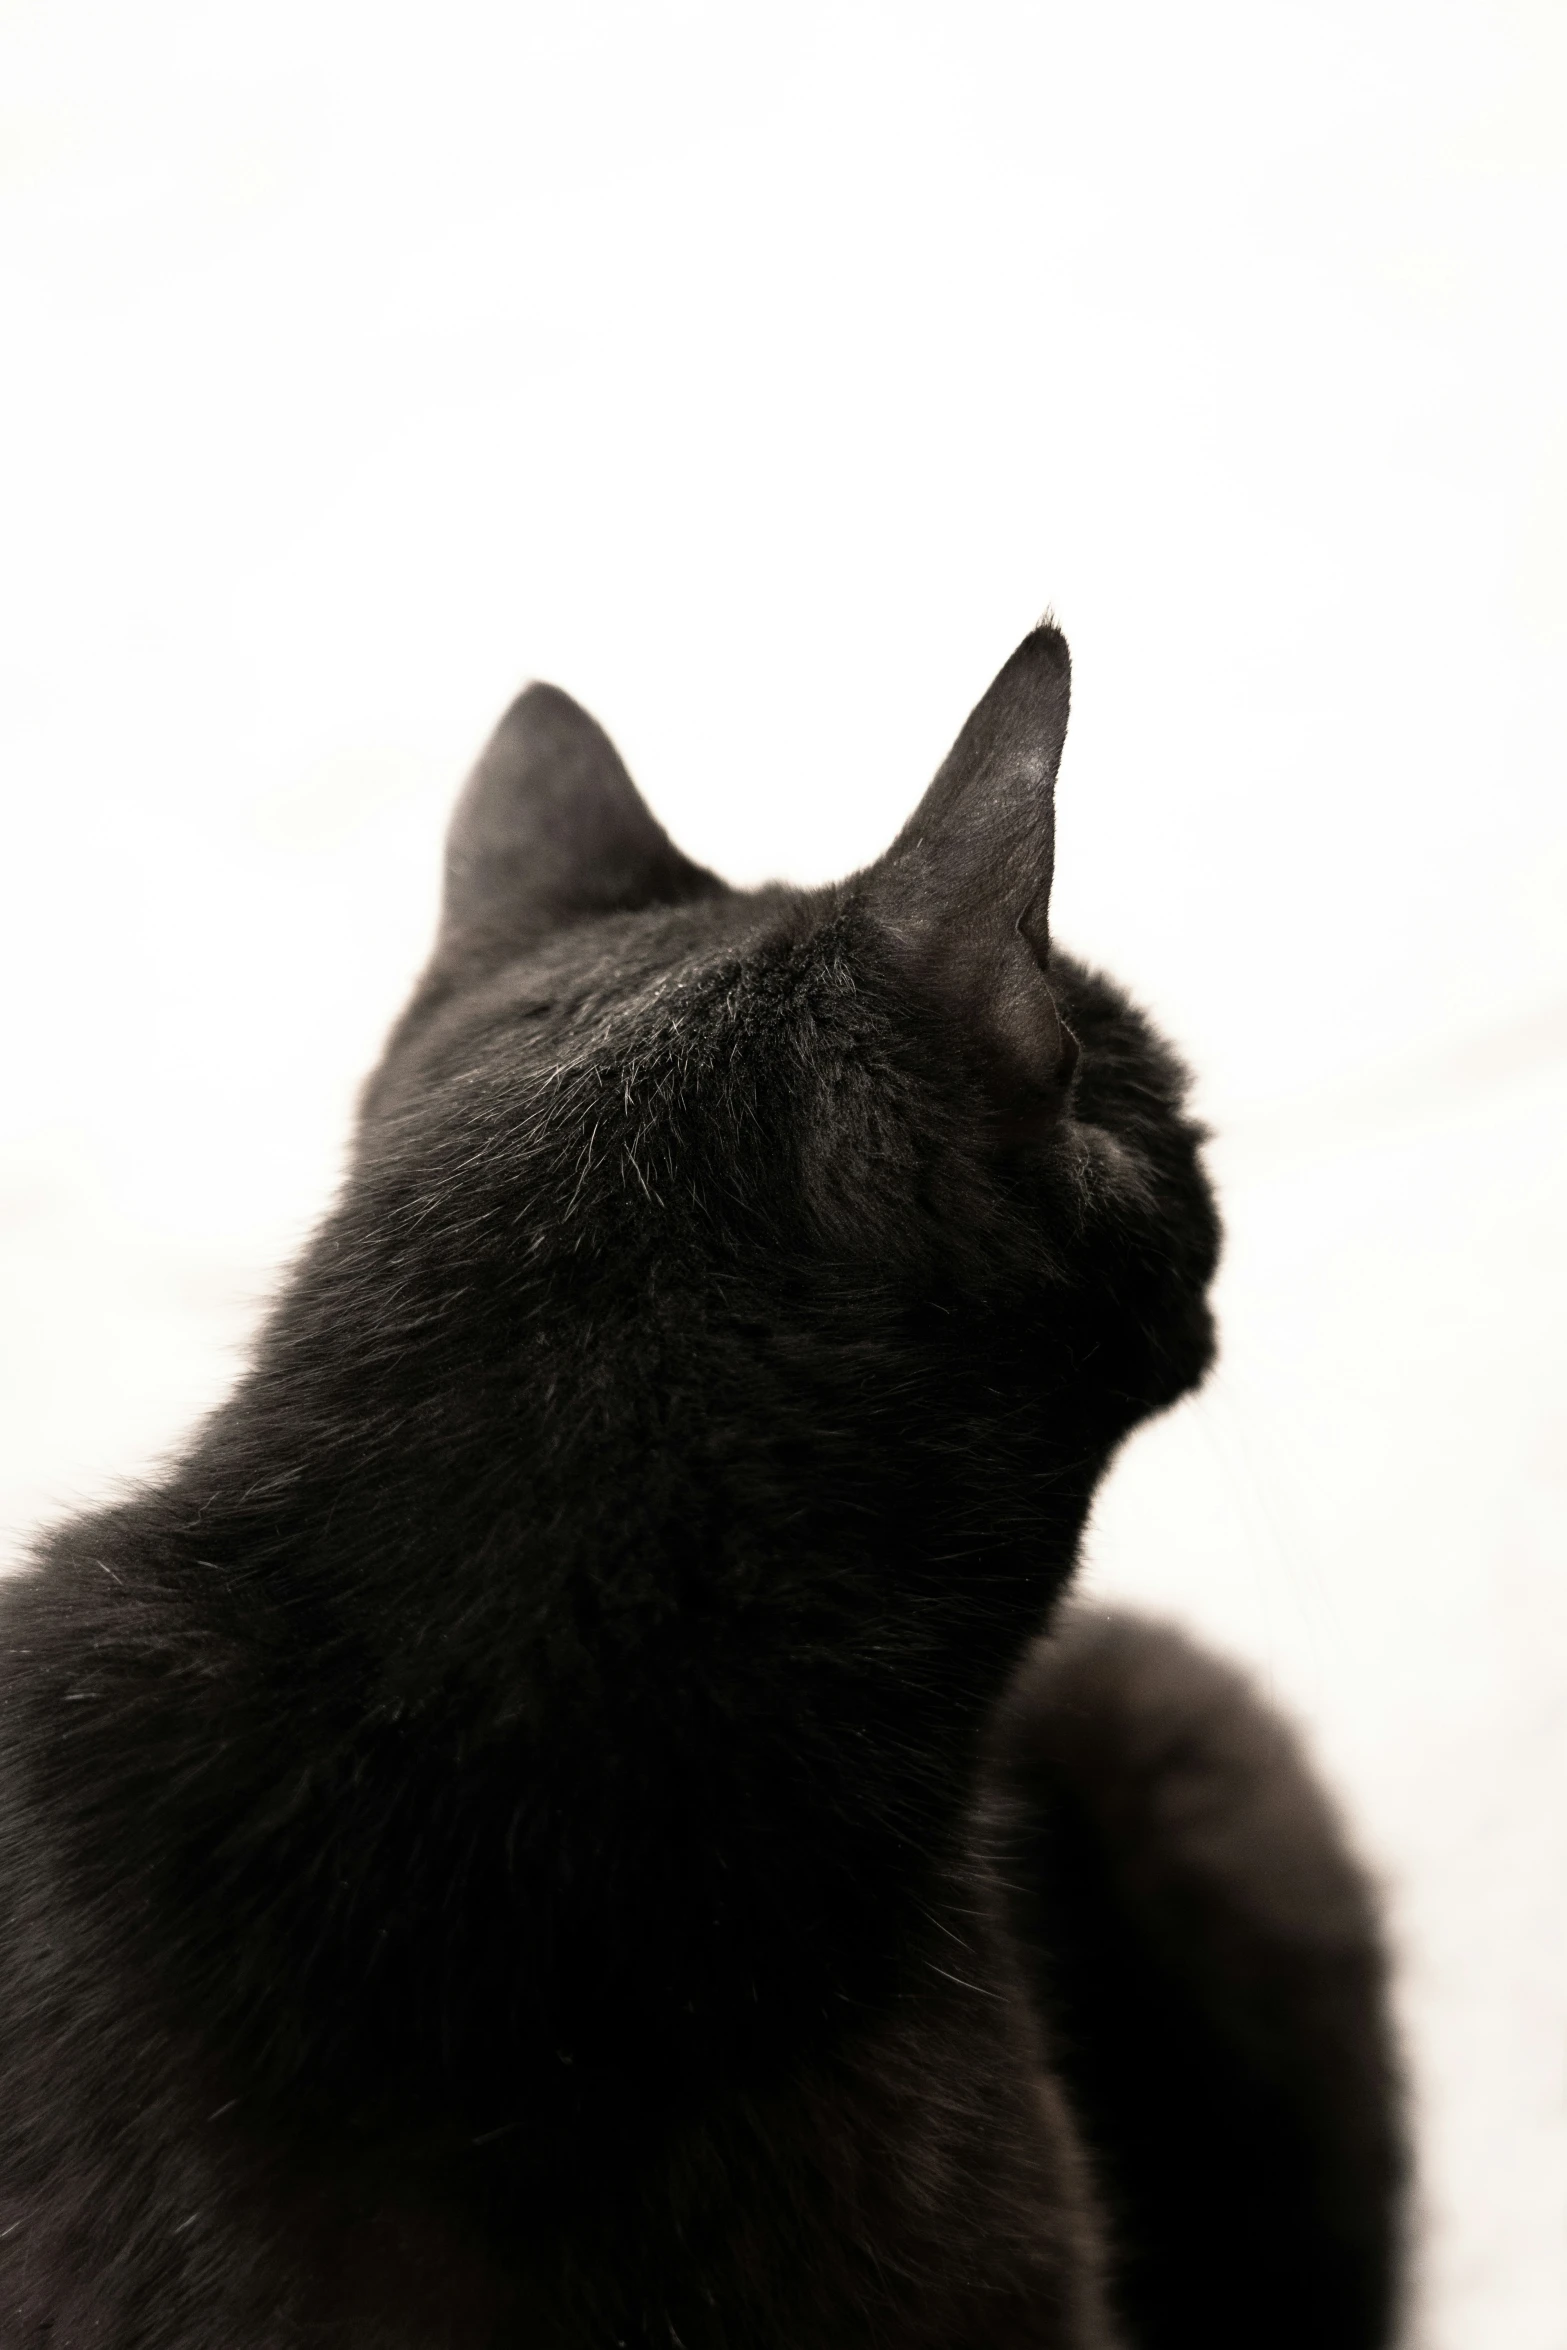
(544, 1828)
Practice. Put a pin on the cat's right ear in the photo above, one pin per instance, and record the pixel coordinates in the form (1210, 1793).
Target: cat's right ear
(550, 829)
(963, 894)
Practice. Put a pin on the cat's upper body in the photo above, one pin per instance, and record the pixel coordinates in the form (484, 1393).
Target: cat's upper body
(494, 1844)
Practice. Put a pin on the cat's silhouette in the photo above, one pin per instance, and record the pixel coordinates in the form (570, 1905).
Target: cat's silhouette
(546, 1827)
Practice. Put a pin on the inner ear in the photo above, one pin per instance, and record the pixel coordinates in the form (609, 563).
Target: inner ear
(963, 894)
(549, 829)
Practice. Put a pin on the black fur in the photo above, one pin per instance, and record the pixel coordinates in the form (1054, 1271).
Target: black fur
(497, 1845)
(1208, 1960)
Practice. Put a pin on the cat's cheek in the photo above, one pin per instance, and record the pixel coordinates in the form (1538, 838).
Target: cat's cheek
(1110, 1173)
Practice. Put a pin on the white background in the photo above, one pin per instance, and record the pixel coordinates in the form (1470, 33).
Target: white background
(760, 374)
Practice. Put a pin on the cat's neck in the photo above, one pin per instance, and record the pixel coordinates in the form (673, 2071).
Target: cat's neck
(653, 1819)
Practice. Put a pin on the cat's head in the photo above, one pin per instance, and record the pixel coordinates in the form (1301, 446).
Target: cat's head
(863, 1183)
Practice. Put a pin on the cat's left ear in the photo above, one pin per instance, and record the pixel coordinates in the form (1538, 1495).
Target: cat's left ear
(550, 828)
(963, 894)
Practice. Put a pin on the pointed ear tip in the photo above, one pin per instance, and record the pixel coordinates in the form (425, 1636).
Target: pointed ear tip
(1048, 646)
(541, 715)
(537, 699)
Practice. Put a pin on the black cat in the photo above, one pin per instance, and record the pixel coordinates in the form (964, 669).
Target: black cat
(546, 1827)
